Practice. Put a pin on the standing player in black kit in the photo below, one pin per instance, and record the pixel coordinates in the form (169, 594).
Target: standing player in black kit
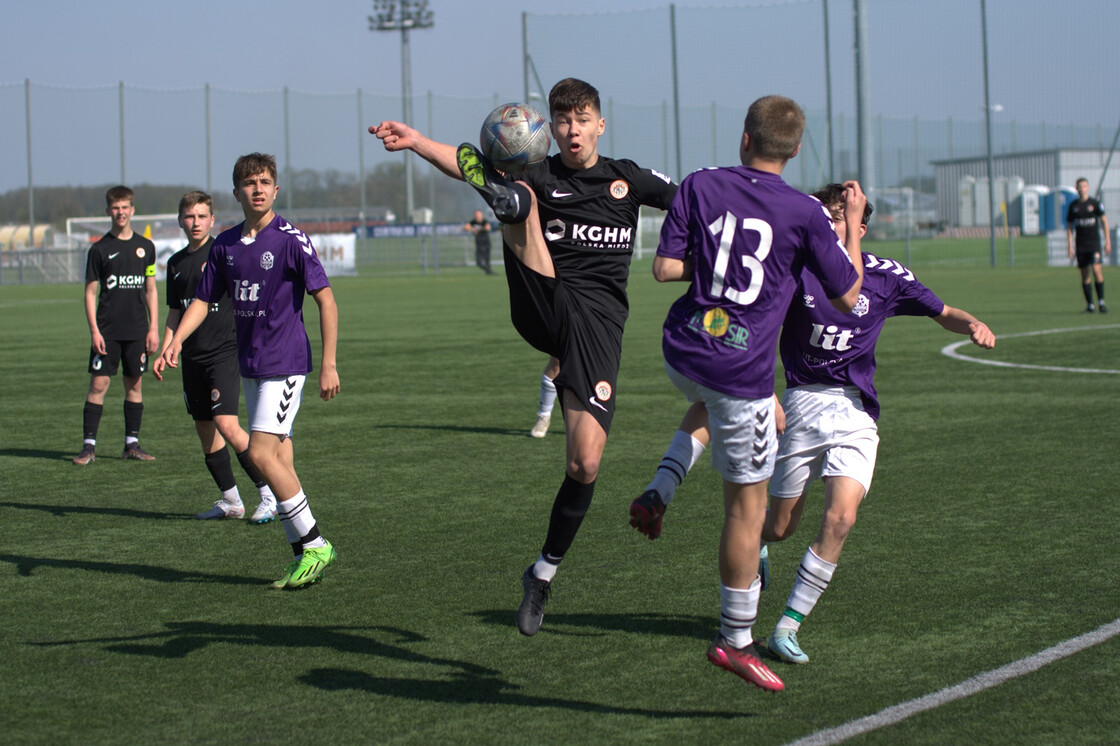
(211, 377)
(569, 230)
(121, 303)
(1084, 220)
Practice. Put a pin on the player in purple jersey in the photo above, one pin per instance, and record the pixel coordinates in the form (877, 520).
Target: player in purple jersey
(1084, 220)
(211, 377)
(741, 237)
(121, 303)
(569, 229)
(830, 407)
(266, 265)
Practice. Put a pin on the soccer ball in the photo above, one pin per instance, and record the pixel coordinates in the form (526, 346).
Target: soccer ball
(514, 138)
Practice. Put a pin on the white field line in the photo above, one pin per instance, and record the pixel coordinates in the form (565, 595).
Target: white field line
(950, 350)
(978, 683)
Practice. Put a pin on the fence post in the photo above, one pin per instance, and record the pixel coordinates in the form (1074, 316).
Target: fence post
(120, 103)
(287, 155)
(30, 180)
(361, 168)
(209, 180)
(432, 189)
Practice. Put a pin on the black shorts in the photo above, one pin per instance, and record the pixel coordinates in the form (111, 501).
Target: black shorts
(212, 388)
(587, 343)
(1088, 258)
(130, 354)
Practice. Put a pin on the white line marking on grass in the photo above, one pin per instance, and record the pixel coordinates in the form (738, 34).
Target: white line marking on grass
(950, 350)
(978, 683)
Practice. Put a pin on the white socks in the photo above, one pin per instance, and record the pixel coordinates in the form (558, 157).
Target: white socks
(682, 455)
(813, 577)
(738, 612)
(548, 396)
(544, 570)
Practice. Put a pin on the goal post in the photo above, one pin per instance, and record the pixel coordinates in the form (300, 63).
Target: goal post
(163, 229)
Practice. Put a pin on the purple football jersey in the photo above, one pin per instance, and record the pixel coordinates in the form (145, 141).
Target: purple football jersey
(748, 234)
(267, 277)
(822, 345)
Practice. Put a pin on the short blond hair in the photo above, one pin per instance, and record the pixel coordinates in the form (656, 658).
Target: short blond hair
(775, 125)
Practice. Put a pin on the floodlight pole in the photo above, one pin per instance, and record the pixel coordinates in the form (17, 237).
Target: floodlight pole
(863, 107)
(988, 133)
(828, 91)
(403, 15)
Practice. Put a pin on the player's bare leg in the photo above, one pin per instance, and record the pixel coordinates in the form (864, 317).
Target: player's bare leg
(744, 509)
(230, 429)
(526, 240)
(274, 458)
(843, 496)
(98, 387)
(783, 517)
(584, 443)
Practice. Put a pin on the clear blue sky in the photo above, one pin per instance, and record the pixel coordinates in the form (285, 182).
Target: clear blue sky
(475, 45)
(1049, 71)
(311, 45)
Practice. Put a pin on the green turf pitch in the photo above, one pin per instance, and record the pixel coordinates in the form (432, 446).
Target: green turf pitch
(989, 535)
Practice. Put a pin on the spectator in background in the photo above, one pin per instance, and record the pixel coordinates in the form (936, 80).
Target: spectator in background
(1084, 221)
(480, 227)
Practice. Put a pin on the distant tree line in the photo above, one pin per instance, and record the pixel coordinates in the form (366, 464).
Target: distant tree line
(310, 189)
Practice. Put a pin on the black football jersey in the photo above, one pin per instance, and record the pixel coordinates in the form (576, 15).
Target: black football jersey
(590, 221)
(1084, 218)
(121, 268)
(215, 337)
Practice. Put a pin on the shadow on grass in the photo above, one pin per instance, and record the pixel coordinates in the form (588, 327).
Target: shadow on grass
(487, 690)
(700, 627)
(26, 566)
(38, 453)
(520, 432)
(179, 639)
(62, 511)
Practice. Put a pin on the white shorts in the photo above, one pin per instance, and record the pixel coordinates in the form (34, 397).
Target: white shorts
(828, 434)
(273, 403)
(744, 441)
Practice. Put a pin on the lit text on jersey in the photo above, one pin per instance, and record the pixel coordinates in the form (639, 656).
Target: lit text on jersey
(831, 337)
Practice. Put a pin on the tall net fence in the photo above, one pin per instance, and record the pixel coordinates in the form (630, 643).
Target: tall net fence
(675, 82)
(1050, 82)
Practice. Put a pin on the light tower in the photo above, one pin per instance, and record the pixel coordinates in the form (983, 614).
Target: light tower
(403, 15)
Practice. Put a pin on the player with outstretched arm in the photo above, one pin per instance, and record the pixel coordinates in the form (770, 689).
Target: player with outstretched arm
(831, 408)
(569, 227)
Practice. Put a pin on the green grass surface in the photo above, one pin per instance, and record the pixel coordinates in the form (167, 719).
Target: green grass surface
(988, 535)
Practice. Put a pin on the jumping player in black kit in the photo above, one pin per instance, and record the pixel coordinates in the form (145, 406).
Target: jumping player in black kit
(570, 224)
(121, 303)
(211, 378)
(1084, 220)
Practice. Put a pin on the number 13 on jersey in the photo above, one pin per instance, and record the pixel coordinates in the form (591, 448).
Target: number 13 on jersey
(726, 227)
